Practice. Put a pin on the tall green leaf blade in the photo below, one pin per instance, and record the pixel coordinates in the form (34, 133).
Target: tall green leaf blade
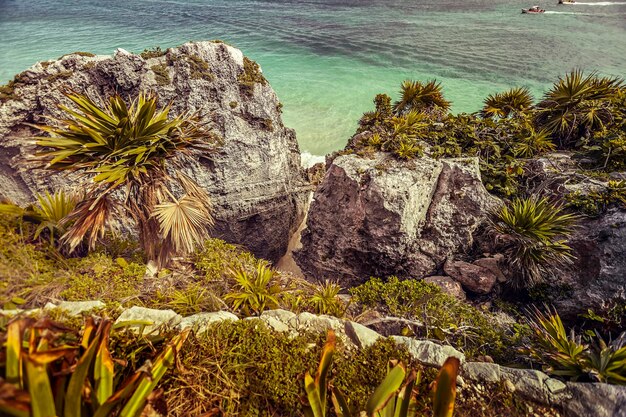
(42, 400)
(387, 389)
(445, 388)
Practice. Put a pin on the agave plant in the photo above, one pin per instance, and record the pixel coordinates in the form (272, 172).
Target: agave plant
(567, 355)
(533, 233)
(325, 299)
(127, 147)
(48, 213)
(577, 105)
(255, 292)
(502, 105)
(49, 377)
(415, 95)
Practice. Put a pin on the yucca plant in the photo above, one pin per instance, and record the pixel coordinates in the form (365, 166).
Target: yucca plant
(608, 360)
(49, 375)
(532, 233)
(395, 396)
(577, 105)
(123, 149)
(534, 143)
(49, 213)
(421, 97)
(502, 105)
(254, 292)
(325, 299)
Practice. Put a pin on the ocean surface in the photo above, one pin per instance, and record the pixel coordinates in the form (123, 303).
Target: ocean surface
(327, 59)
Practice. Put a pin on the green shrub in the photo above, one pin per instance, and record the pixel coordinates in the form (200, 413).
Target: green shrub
(598, 202)
(325, 299)
(514, 101)
(152, 53)
(532, 233)
(254, 292)
(441, 316)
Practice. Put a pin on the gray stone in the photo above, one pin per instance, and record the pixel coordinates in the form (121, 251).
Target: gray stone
(381, 217)
(482, 371)
(200, 322)
(360, 335)
(75, 308)
(156, 318)
(473, 278)
(595, 400)
(447, 285)
(255, 181)
(429, 353)
(528, 383)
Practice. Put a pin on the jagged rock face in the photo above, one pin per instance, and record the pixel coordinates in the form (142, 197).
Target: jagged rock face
(381, 217)
(256, 181)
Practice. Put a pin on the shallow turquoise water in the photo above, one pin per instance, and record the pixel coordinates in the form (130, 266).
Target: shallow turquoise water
(328, 58)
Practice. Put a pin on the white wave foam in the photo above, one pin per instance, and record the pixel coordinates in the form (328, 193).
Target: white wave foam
(307, 160)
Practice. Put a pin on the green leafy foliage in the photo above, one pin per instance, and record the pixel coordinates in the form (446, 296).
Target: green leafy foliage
(596, 203)
(439, 316)
(255, 292)
(48, 369)
(48, 214)
(420, 97)
(325, 299)
(568, 356)
(502, 105)
(127, 146)
(532, 233)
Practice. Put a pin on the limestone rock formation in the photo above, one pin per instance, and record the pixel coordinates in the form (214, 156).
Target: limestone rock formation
(256, 180)
(378, 216)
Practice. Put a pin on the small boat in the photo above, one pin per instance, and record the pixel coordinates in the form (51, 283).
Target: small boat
(533, 10)
(566, 2)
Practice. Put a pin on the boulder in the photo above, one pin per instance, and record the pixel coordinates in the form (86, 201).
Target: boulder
(255, 180)
(493, 265)
(379, 216)
(447, 285)
(472, 277)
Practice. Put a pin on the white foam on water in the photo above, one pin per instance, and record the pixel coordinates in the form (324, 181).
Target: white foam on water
(307, 160)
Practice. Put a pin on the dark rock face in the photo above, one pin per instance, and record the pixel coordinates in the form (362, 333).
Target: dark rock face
(256, 181)
(599, 272)
(380, 217)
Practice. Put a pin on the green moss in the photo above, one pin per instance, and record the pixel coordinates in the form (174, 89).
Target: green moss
(217, 257)
(441, 315)
(250, 76)
(62, 75)
(267, 124)
(7, 92)
(596, 203)
(80, 53)
(152, 53)
(161, 74)
(199, 68)
(89, 65)
(233, 104)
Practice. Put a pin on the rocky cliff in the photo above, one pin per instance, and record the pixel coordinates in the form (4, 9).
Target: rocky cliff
(256, 181)
(379, 216)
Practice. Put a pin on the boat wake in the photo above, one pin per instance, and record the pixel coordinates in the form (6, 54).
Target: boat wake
(553, 12)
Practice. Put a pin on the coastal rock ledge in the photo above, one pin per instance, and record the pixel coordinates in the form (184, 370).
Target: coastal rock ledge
(256, 181)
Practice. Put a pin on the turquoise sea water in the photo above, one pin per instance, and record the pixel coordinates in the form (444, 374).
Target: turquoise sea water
(327, 59)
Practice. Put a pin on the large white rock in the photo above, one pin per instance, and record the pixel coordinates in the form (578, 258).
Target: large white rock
(255, 181)
(429, 353)
(151, 319)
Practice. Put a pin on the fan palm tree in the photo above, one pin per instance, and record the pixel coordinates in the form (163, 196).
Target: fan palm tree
(123, 149)
(578, 105)
(515, 100)
(420, 97)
